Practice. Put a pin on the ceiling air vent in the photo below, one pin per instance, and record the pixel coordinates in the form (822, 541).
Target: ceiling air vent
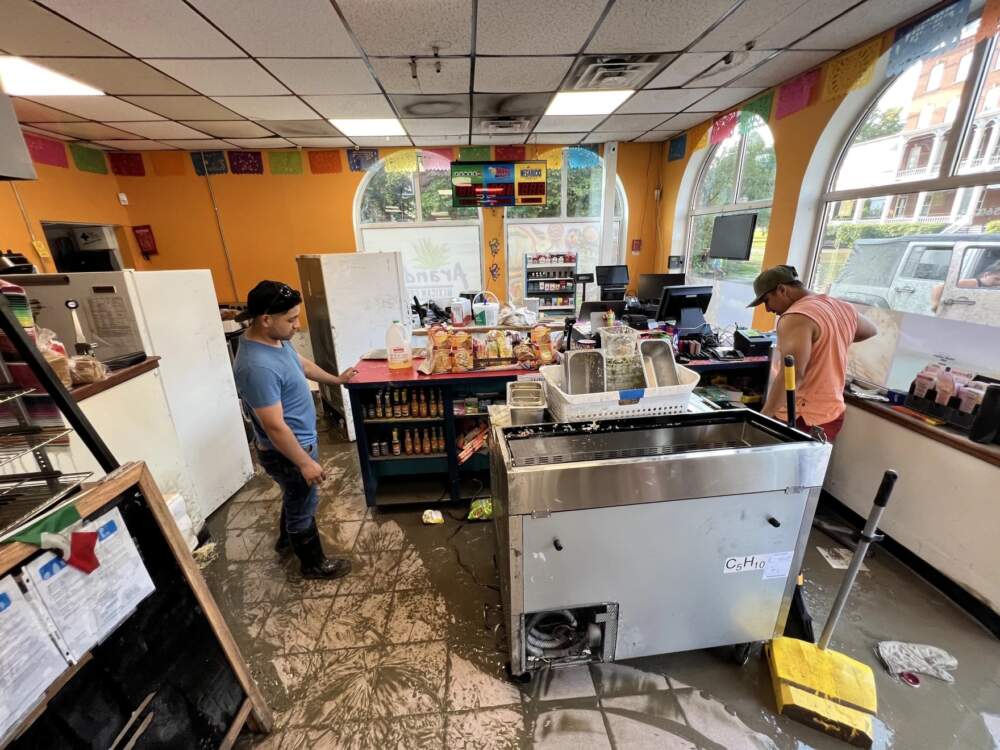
(596, 72)
(504, 125)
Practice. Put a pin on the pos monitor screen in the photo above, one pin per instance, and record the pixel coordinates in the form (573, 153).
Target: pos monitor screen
(612, 275)
(732, 236)
(686, 305)
(651, 285)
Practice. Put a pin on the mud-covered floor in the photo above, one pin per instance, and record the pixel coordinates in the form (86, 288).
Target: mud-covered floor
(407, 652)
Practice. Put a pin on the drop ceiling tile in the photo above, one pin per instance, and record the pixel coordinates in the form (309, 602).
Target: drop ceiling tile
(497, 140)
(396, 76)
(139, 145)
(784, 66)
(381, 141)
(746, 24)
(148, 28)
(810, 16)
(684, 121)
(403, 27)
(567, 139)
(322, 142)
(273, 142)
(656, 135)
(103, 108)
(350, 105)
(158, 130)
(441, 140)
(437, 126)
(604, 137)
(184, 107)
(440, 105)
(223, 77)
(46, 133)
(683, 69)
(200, 144)
(29, 111)
(655, 26)
(264, 28)
(301, 128)
(29, 29)
(86, 130)
(725, 98)
(520, 73)
(568, 123)
(510, 104)
(632, 123)
(661, 100)
(858, 24)
(268, 107)
(723, 73)
(528, 27)
(229, 129)
(114, 75)
(312, 76)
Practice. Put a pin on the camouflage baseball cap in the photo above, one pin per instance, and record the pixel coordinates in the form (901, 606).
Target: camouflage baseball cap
(767, 281)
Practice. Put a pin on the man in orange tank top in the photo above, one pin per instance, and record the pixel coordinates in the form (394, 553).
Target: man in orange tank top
(817, 330)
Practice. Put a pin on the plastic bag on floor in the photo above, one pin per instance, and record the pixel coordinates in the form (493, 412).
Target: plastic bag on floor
(481, 509)
(901, 657)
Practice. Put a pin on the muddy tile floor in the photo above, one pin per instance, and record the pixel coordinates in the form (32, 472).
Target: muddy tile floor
(407, 652)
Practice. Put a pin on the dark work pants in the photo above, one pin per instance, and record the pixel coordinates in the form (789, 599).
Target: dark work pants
(298, 498)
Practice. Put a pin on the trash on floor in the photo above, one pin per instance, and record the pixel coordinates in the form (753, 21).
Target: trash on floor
(431, 517)
(839, 557)
(900, 657)
(481, 509)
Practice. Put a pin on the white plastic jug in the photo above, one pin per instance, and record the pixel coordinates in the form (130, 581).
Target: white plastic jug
(461, 311)
(397, 347)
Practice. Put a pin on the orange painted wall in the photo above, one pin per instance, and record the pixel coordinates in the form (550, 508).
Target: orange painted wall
(639, 167)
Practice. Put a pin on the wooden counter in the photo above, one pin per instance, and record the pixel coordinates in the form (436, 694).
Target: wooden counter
(117, 377)
(376, 372)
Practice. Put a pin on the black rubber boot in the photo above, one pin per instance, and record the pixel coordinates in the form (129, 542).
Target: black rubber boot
(315, 564)
(284, 545)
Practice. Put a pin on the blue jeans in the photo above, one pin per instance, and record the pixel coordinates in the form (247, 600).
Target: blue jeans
(298, 498)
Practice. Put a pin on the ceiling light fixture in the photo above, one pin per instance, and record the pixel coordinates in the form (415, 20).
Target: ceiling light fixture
(18, 77)
(359, 127)
(588, 102)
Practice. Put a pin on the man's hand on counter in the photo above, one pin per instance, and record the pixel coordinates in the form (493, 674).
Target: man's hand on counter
(346, 375)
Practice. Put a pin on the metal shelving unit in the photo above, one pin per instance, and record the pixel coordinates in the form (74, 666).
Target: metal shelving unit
(562, 273)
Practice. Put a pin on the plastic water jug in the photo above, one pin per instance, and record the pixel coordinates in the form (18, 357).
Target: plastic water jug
(397, 347)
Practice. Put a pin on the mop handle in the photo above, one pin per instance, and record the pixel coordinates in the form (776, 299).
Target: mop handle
(790, 388)
(868, 535)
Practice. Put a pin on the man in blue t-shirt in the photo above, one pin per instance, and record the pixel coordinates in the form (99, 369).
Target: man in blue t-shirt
(271, 379)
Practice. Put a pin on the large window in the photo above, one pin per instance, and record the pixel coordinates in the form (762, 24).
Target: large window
(737, 177)
(404, 204)
(916, 193)
(570, 221)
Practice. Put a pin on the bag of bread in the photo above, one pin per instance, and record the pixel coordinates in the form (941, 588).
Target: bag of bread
(440, 350)
(87, 369)
(541, 339)
(461, 352)
(55, 354)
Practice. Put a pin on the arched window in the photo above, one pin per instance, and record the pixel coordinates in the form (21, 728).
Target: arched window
(929, 249)
(404, 203)
(737, 177)
(570, 221)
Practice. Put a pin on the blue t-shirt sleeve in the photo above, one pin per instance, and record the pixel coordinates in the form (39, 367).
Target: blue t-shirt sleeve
(260, 387)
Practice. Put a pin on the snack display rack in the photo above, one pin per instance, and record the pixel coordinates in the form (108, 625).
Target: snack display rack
(551, 278)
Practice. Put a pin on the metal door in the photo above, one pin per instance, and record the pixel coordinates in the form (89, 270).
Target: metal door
(924, 267)
(972, 291)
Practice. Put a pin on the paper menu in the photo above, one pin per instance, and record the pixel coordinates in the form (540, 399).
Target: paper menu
(86, 608)
(29, 659)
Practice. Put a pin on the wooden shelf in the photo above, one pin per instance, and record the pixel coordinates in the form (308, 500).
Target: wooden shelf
(402, 420)
(404, 457)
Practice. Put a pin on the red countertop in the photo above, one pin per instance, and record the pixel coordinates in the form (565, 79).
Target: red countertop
(372, 372)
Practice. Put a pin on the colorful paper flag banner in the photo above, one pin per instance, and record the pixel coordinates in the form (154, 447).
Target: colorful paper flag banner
(553, 157)
(401, 162)
(46, 150)
(796, 94)
(435, 159)
(325, 162)
(246, 162)
(209, 162)
(168, 163)
(127, 165)
(703, 140)
(677, 148)
(851, 70)
(756, 112)
(989, 21)
(508, 153)
(723, 127)
(578, 157)
(937, 33)
(474, 153)
(362, 159)
(88, 159)
(285, 162)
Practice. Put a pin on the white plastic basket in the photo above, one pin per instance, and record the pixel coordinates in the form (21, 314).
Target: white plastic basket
(638, 402)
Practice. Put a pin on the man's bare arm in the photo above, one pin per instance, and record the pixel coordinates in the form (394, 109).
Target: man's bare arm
(866, 329)
(272, 419)
(318, 374)
(795, 337)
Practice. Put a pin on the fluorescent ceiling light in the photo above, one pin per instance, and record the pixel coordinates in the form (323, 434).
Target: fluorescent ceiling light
(588, 102)
(384, 126)
(18, 77)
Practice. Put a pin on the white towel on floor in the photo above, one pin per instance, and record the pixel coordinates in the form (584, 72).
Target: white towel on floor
(916, 657)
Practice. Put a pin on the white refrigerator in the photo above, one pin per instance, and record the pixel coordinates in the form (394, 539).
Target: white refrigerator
(173, 315)
(351, 300)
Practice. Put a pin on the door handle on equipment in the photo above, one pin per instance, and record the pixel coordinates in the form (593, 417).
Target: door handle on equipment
(904, 289)
(557, 544)
(958, 301)
(773, 521)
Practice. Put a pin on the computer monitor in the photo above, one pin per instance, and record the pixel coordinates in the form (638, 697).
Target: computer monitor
(687, 306)
(732, 236)
(612, 275)
(618, 308)
(651, 285)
